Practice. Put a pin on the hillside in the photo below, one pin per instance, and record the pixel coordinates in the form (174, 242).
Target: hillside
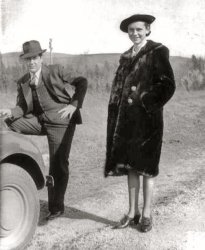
(180, 64)
(12, 59)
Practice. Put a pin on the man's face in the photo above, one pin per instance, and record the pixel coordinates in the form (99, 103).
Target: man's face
(34, 63)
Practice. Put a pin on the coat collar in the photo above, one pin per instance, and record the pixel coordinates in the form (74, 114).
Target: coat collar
(26, 90)
(46, 77)
(44, 71)
(25, 80)
(150, 45)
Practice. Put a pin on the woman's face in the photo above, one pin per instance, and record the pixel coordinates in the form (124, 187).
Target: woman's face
(137, 32)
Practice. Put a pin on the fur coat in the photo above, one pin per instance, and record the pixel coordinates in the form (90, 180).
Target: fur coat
(141, 87)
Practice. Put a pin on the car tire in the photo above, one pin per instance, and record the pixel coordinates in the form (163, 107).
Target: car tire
(19, 207)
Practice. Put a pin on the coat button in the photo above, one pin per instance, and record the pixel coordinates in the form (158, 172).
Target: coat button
(133, 88)
(130, 101)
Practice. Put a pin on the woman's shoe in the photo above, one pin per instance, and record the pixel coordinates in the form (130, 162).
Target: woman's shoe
(137, 219)
(146, 224)
(124, 222)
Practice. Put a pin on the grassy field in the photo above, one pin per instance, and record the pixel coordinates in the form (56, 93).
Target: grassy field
(93, 202)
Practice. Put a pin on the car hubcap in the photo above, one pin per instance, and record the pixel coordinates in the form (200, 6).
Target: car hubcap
(12, 211)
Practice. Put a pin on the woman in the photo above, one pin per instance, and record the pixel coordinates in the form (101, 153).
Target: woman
(143, 83)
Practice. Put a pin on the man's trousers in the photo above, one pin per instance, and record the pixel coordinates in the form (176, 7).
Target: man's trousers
(59, 135)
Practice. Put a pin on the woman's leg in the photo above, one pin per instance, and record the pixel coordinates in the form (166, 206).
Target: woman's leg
(133, 215)
(148, 185)
(133, 189)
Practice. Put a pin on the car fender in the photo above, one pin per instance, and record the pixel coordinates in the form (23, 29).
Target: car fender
(19, 149)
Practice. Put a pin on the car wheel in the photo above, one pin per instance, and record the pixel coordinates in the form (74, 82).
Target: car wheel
(19, 207)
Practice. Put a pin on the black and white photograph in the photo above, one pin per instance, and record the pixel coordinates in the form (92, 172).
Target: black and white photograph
(102, 125)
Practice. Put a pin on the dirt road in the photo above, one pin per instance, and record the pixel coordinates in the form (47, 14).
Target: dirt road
(93, 203)
(179, 218)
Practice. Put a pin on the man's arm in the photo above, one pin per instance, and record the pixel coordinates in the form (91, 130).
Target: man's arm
(80, 83)
(19, 109)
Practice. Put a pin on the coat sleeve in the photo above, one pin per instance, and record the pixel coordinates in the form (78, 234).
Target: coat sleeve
(79, 83)
(163, 83)
(20, 109)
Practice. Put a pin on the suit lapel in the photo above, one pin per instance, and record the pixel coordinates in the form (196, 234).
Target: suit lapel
(46, 76)
(27, 91)
(47, 81)
(150, 46)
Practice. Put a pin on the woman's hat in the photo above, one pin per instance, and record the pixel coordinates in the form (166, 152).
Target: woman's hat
(31, 48)
(136, 18)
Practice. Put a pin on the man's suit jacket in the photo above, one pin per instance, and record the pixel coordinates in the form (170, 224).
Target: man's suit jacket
(56, 80)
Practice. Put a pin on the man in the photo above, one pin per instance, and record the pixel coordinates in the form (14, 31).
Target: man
(44, 107)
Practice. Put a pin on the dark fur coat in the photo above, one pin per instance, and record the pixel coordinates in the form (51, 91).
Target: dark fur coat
(141, 87)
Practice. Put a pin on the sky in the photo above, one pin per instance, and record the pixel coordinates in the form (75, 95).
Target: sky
(92, 26)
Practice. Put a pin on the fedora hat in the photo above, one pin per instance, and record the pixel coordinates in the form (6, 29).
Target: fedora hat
(136, 18)
(31, 48)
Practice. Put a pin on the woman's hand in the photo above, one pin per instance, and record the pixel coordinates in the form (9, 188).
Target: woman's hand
(67, 111)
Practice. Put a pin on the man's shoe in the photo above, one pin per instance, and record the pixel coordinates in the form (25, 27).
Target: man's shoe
(146, 224)
(124, 222)
(53, 215)
(49, 181)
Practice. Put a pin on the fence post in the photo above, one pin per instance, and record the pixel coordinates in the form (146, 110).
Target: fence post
(51, 48)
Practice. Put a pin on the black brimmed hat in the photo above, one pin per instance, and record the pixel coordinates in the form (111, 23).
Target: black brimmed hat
(136, 18)
(31, 48)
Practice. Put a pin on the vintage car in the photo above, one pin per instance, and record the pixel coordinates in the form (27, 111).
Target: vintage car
(21, 176)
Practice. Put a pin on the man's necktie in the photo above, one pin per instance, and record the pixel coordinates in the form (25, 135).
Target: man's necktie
(33, 82)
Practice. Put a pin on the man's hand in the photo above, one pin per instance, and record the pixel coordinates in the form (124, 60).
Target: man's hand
(5, 113)
(67, 111)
